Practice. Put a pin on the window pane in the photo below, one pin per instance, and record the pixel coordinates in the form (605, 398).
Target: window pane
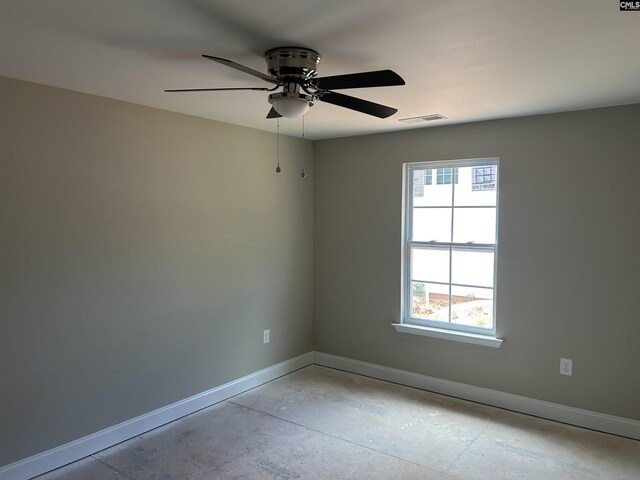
(475, 187)
(431, 224)
(472, 267)
(477, 225)
(430, 301)
(430, 264)
(426, 193)
(472, 306)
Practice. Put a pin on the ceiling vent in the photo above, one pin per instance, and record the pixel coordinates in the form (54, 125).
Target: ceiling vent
(423, 118)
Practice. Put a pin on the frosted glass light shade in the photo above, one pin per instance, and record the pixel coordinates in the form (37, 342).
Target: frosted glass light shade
(290, 107)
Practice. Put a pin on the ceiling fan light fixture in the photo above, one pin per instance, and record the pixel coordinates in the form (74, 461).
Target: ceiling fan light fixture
(290, 105)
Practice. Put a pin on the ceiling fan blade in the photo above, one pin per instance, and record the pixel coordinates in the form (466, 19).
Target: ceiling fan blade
(379, 78)
(242, 68)
(358, 104)
(260, 89)
(273, 114)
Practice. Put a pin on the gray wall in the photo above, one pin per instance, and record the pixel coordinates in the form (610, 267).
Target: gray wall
(142, 254)
(568, 266)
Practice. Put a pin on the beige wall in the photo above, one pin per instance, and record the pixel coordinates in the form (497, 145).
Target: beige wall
(142, 253)
(568, 266)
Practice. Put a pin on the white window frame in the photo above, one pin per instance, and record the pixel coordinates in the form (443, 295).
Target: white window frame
(447, 330)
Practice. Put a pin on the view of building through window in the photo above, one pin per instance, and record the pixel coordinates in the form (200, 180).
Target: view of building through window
(445, 176)
(451, 245)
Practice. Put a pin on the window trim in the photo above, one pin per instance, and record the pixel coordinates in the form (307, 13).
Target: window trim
(465, 337)
(437, 329)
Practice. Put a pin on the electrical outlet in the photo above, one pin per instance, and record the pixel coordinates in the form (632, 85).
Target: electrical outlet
(566, 366)
(266, 336)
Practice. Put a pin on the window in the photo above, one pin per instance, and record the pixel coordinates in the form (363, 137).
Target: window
(451, 246)
(484, 178)
(445, 176)
(428, 180)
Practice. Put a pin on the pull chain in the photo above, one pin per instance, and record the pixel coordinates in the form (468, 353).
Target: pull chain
(303, 174)
(278, 169)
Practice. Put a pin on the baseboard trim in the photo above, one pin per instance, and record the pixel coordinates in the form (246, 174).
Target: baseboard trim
(82, 447)
(553, 411)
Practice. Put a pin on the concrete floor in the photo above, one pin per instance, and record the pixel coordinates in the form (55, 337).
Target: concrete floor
(319, 423)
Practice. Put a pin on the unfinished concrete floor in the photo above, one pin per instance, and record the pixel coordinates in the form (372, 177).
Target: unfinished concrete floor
(319, 423)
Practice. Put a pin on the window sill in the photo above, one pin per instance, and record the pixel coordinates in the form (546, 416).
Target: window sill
(465, 337)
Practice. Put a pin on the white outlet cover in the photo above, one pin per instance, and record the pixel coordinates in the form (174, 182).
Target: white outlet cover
(566, 366)
(266, 336)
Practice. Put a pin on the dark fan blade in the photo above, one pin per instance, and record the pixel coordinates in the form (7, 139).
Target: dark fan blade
(358, 104)
(242, 68)
(379, 78)
(273, 114)
(217, 89)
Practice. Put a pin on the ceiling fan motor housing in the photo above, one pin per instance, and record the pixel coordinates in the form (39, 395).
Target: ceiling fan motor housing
(292, 62)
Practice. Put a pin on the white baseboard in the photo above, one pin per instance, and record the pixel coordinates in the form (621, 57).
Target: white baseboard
(552, 411)
(82, 447)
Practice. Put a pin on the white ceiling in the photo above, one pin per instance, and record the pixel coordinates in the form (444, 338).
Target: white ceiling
(466, 59)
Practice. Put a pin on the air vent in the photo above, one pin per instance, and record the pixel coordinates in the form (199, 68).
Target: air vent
(423, 118)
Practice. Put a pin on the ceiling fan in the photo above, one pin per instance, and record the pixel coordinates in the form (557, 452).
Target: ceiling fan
(294, 70)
